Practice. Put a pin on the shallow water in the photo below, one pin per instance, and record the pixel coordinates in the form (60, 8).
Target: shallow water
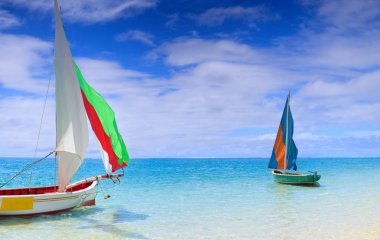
(211, 199)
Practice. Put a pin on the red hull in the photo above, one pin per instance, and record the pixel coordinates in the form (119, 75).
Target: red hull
(41, 190)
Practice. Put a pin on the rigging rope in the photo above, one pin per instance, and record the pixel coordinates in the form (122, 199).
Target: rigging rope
(106, 196)
(39, 130)
(26, 168)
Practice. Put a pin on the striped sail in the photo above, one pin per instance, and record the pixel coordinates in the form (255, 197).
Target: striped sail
(103, 123)
(284, 144)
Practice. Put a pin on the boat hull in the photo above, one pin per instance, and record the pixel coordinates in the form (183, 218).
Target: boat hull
(17, 202)
(296, 179)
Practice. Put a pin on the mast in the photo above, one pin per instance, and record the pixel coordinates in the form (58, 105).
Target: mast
(286, 131)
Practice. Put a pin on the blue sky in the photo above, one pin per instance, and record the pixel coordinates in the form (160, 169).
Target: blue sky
(201, 78)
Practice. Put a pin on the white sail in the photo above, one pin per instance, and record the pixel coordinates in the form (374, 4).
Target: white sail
(71, 123)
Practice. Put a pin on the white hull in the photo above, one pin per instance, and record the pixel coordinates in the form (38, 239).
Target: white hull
(34, 204)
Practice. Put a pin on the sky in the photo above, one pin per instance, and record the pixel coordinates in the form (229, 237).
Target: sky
(194, 78)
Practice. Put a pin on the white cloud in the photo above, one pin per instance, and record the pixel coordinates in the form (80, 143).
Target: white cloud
(363, 87)
(89, 11)
(336, 50)
(339, 14)
(136, 35)
(20, 121)
(25, 63)
(342, 35)
(364, 134)
(315, 145)
(8, 20)
(217, 16)
(110, 77)
(186, 51)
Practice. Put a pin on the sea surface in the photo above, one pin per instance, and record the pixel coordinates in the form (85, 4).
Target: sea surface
(210, 199)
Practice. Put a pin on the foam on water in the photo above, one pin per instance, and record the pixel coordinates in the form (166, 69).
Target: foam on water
(212, 199)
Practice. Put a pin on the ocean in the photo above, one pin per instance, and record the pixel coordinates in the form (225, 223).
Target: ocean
(210, 199)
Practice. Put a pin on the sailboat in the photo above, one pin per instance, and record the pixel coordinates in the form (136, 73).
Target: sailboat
(284, 154)
(76, 101)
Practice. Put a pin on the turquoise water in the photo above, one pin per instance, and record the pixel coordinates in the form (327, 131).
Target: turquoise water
(212, 199)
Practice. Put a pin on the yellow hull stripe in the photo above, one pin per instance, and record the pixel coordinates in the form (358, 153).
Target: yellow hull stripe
(21, 203)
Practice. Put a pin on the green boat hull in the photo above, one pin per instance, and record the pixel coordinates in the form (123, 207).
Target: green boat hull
(295, 178)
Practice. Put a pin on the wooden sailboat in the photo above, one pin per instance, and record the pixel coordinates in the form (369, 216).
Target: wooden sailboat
(285, 153)
(76, 101)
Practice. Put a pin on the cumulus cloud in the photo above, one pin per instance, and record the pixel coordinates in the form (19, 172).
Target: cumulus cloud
(89, 11)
